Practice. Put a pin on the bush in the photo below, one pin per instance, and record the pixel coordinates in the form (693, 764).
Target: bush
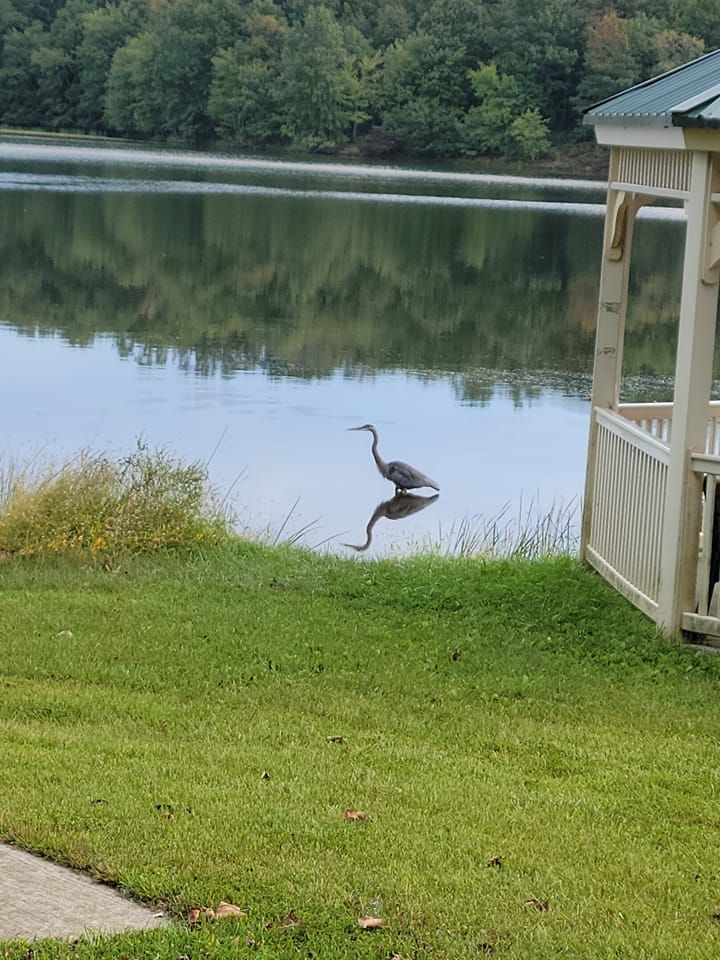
(146, 501)
(529, 136)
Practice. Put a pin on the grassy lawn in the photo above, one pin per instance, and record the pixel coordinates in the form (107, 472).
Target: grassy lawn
(167, 725)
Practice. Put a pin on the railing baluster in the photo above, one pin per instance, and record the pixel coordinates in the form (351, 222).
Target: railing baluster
(630, 476)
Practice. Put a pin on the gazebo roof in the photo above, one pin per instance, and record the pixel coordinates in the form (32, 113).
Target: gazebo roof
(688, 96)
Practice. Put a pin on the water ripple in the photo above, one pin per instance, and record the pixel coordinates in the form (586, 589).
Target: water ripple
(63, 183)
(184, 159)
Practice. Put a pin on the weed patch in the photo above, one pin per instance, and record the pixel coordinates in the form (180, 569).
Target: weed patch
(93, 504)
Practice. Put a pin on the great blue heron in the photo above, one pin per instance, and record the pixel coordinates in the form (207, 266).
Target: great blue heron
(401, 474)
(400, 506)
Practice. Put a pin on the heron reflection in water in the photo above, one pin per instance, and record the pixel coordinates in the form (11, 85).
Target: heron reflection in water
(401, 474)
(397, 508)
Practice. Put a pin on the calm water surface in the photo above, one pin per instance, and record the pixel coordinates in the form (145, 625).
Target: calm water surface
(247, 312)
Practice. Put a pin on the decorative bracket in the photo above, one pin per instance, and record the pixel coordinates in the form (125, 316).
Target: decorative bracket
(618, 225)
(712, 244)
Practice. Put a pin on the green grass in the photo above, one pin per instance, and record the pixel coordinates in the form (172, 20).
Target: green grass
(508, 709)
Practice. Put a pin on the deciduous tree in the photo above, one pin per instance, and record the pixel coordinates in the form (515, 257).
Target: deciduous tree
(319, 90)
(423, 90)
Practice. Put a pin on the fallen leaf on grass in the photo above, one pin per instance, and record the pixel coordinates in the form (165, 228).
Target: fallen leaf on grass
(350, 814)
(335, 739)
(494, 862)
(541, 905)
(229, 910)
(224, 909)
(288, 922)
(369, 923)
(265, 776)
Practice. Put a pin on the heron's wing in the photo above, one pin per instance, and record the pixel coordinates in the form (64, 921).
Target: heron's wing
(407, 477)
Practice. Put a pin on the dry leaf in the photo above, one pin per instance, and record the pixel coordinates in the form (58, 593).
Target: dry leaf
(193, 914)
(265, 776)
(541, 905)
(350, 814)
(455, 655)
(370, 923)
(289, 921)
(494, 862)
(335, 739)
(229, 910)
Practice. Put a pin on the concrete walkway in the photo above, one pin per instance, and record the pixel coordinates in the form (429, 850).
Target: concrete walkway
(41, 899)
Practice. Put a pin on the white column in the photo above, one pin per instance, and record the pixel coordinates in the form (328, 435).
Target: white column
(693, 379)
(612, 309)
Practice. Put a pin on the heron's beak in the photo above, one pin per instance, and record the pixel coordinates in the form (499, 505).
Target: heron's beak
(356, 428)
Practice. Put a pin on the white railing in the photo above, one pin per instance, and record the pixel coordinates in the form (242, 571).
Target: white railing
(656, 419)
(628, 507)
(630, 479)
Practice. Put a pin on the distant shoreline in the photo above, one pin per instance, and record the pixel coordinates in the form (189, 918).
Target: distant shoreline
(569, 160)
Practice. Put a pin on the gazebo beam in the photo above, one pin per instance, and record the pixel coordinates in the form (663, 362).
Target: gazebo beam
(693, 379)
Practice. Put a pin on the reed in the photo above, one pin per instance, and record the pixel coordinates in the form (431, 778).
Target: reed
(532, 532)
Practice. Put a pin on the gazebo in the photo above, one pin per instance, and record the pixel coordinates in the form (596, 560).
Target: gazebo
(650, 523)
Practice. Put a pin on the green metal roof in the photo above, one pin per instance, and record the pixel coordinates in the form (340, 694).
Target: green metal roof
(688, 96)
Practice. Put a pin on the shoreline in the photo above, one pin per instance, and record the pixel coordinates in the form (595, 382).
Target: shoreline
(570, 160)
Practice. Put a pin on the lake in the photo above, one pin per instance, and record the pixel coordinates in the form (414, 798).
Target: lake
(246, 312)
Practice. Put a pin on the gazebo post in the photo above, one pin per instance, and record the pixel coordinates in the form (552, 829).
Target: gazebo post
(693, 379)
(610, 332)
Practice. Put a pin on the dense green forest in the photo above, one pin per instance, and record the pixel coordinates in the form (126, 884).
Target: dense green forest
(433, 77)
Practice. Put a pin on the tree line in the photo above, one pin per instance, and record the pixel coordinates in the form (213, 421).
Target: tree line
(428, 77)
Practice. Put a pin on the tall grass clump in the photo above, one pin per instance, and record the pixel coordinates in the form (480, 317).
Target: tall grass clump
(94, 504)
(533, 533)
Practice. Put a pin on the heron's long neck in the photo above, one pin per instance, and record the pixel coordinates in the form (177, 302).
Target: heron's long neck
(381, 465)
